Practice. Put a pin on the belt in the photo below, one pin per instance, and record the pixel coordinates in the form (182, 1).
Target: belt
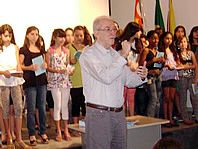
(105, 108)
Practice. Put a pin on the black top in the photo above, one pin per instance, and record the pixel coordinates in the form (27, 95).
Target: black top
(194, 48)
(31, 80)
(149, 57)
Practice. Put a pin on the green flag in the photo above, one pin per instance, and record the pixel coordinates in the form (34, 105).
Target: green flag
(159, 22)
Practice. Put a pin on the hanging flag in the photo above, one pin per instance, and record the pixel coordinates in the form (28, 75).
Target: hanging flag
(171, 24)
(138, 17)
(159, 22)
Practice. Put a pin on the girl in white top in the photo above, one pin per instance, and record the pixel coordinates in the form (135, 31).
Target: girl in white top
(169, 75)
(10, 83)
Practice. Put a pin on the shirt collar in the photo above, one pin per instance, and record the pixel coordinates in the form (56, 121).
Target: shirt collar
(103, 50)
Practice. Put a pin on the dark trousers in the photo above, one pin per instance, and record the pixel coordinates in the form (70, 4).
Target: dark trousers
(141, 101)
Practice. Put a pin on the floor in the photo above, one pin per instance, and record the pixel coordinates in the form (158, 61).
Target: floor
(187, 135)
(74, 144)
(51, 132)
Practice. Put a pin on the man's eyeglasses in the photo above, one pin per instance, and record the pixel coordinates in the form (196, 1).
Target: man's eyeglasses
(107, 29)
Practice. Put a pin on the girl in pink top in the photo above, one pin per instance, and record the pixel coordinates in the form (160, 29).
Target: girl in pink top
(58, 81)
(169, 75)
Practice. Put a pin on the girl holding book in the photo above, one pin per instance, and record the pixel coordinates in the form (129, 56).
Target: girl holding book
(75, 49)
(187, 76)
(154, 65)
(169, 75)
(10, 82)
(35, 85)
(58, 81)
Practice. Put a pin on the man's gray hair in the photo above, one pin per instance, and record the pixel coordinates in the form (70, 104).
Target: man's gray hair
(98, 22)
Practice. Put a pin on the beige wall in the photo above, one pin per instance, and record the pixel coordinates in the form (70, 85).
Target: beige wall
(185, 12)
(48, 15)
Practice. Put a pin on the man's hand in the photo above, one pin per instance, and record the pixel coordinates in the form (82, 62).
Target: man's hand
(142, 71)
(133, 65)
(126, 46)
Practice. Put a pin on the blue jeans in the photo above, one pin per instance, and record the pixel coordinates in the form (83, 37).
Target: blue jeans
(154, 92)
(184, 85)
(36, 96)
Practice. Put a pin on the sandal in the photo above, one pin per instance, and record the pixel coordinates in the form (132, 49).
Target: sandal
(44, 138)
(36, 127)
(4, 142)
(21, 145)
(10, 144)
(75, 134)
(33, 141)
(58, 138)
(3, 138)
(48, 126)
(67, 137)
(13, 138)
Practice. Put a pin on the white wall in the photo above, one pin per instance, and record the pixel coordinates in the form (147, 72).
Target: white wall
(185, 12)
(50, 14)
(89, 9)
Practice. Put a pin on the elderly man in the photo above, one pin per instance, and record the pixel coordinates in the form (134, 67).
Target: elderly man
(104, 73)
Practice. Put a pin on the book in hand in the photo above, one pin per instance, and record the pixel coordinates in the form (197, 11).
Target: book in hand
(195, 88)
(159, 65)
(77, 54)
(160, 54)
(16, 73)
(39, 61)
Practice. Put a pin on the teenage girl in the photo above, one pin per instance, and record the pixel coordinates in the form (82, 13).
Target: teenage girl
(11, 81)
(58, 81)
(131, 33)
(169, 75)
(187, 77)
(35, 86)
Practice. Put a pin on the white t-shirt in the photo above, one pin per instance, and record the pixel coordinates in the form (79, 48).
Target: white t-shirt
(8, 62)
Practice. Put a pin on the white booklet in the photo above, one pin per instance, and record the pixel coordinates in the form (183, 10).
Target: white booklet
(159, 54)
(14, 71)
(39, 61)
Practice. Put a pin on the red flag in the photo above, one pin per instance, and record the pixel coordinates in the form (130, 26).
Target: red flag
(137, 17)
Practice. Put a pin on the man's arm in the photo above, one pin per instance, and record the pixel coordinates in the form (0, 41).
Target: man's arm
(99, 71)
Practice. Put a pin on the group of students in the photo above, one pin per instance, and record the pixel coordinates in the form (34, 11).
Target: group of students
(172, 69)
(19, 78)
(171, 61)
